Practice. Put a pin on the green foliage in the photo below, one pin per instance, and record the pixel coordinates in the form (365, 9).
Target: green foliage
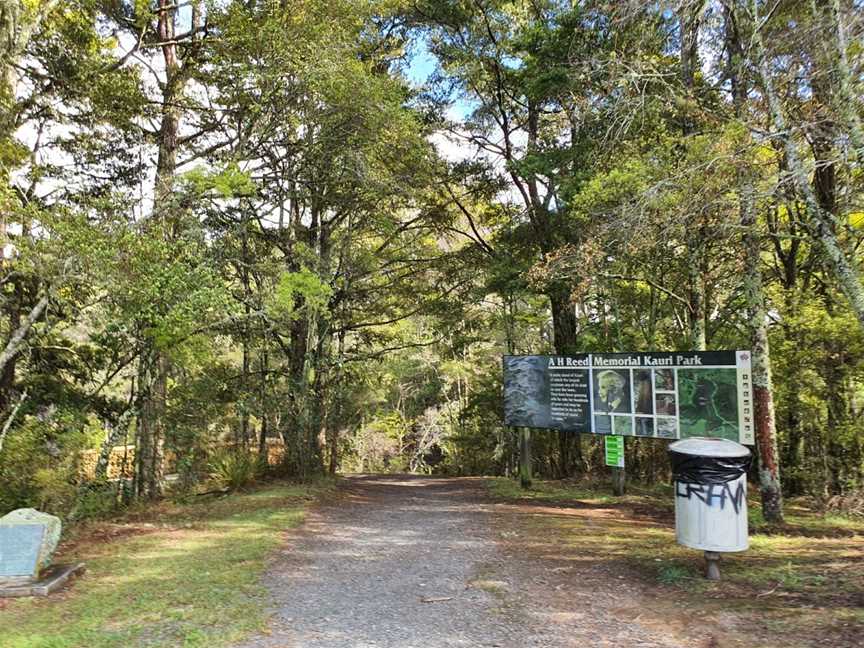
(234, 468)
(39, 463)
(98, 500)
(161, 291)
(674, 574)
(231, 182)
(303, 287)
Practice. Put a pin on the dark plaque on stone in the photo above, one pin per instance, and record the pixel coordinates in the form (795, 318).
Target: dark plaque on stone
(19, 551)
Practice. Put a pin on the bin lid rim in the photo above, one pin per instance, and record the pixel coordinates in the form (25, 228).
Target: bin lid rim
(709, 447)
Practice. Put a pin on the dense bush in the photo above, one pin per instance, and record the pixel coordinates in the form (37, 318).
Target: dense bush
(41, 462)
(234, 468)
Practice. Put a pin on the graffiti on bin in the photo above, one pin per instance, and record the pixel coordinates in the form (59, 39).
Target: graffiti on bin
(713, 494)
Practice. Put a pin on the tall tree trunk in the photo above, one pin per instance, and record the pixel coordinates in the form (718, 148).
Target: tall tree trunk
(148, 438)
(263, 361)
(763, 389)
(689, 21)
(318, 433)
(565, 331)
(155, 367)
(333, 437)
(793, 456)
(836, 403)
(246, 333)
(757, 311)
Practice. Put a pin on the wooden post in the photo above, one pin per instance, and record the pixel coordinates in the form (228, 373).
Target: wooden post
(525, 458)
(614, 450)
(712, 565)
(619, 481)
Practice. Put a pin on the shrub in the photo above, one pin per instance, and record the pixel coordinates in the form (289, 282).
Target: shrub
(234, 468)
(39, 465)
(97, 499)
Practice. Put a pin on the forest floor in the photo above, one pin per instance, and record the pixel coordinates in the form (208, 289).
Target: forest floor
(414, 562)
(405, 562)
(170, 574)
(800, 584)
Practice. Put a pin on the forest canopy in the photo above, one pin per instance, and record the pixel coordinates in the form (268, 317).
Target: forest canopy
(297, 237)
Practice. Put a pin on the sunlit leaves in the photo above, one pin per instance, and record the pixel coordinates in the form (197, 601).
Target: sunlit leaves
(230, 182)
(299, 293)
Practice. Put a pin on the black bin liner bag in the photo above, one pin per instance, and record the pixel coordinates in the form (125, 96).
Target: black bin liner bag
(697, 469)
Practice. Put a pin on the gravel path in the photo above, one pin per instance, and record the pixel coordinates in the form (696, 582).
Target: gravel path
(408, 562)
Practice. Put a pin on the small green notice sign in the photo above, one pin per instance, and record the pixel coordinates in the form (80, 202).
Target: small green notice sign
(614, 451)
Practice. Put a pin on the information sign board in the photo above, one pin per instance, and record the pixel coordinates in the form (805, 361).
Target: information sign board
(614, 451)
(664, 395)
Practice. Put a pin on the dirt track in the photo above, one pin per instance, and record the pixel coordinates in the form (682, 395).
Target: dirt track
(409, 562)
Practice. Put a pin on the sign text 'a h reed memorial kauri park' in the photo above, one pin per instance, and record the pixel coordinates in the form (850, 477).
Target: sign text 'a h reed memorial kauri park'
(664, 395)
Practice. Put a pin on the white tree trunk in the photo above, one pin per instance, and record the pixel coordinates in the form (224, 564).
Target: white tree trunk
(820, 224)
(16, 341)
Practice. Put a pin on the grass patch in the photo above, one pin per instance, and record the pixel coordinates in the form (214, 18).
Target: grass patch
(170, 575)
(570, 491)
(674, 574)
(809, 567)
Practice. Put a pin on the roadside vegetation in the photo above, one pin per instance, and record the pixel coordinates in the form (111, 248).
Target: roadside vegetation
(176, 574)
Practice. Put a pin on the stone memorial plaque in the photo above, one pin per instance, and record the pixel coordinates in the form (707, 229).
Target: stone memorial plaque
(20, 545)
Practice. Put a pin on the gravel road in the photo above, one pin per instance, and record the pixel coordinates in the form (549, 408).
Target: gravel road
(410, 562)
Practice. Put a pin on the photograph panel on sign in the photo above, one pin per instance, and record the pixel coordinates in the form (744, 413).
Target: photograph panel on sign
(644, 426)
(667, 428)
(602, 424)
(526, 391)
(612, 391)
(664, 380)
(643, 392)
(665, 405)
(622, 425)
(709, 402)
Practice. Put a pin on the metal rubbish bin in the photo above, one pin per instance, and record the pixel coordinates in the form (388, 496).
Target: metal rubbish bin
(710, 493)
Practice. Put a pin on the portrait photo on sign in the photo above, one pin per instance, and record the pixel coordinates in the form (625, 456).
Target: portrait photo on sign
(667, 428)
(643, 393)
(602, 424)
(664, 380)
(666, 404)
(644, 426)
(612, 391)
